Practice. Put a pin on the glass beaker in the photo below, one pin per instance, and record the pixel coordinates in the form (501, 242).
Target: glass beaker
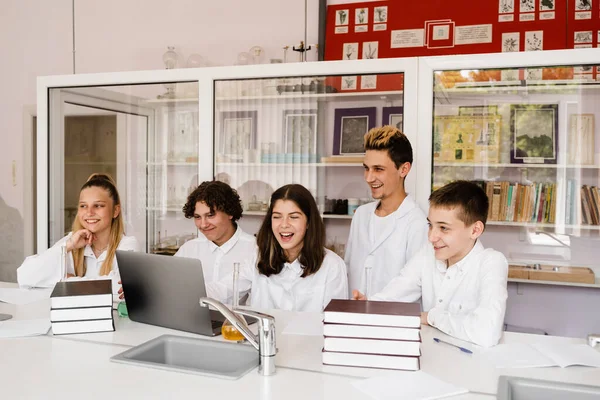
(228, 331)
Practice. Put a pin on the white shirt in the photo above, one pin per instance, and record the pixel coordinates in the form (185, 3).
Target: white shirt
(466, 300)
(402, 237)
(44, 270)
(217, 261)
(288, 290)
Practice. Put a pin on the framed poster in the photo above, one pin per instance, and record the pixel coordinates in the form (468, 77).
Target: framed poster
(393, 116)
(300, 131)
(467, 139)
(350, 126)
(534, 130)
(238, 132)
(581, 139)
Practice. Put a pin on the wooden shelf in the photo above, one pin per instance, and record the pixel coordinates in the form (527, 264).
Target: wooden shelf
(317, 96)
(174, 164)
(288, 164)
(475, 165)
(541, 225)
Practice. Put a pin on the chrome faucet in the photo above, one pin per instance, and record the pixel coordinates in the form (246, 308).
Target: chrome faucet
(264, 343)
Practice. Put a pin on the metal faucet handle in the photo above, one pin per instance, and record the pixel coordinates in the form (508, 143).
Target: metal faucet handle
(263, 318)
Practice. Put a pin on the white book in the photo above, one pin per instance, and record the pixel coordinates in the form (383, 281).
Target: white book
(80, 314)
(407, 386)
(77, 294)
(409, 363)
(372, 346)
(372, 332)
(520, 355)
(98, 325)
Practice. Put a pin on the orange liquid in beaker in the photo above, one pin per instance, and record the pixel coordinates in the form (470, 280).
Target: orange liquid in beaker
(230, 333)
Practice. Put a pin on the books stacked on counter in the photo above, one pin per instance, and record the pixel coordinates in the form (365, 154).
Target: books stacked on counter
(374, 334)
(81, 307)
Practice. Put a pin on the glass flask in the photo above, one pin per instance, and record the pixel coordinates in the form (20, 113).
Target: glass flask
(228, 331)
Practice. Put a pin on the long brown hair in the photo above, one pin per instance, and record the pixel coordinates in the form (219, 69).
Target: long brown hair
(271, 256)
(117, 229)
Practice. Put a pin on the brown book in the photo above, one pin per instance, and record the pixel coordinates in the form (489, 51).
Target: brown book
(88, 293)
(371, 361)
(376, 313)
(496, 198)
(372, 332)
(585, 209)
(489, 191)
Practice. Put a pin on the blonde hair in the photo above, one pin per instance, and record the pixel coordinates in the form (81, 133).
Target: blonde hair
(117, 229)
(392, 140)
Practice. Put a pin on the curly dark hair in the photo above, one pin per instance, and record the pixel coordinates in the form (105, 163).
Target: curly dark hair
(217, 196)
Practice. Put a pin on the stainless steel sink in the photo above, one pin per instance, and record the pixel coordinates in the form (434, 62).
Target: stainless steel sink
(515, 388)
(194, 356)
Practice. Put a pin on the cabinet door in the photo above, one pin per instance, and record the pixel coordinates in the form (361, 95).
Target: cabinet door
(143, 137)
(306, 130)
(529, 138)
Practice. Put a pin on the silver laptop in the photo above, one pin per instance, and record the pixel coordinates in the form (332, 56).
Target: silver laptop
(164, 291)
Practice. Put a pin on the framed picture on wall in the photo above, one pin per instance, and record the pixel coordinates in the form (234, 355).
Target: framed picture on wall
(238, 132)
(300, 131)
(350, 126)
(393, 116)
(534, 133)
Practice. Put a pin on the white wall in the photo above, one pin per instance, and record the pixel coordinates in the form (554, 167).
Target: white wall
(111, 35)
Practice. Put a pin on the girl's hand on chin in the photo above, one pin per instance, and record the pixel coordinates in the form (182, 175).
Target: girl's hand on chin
(79, 239)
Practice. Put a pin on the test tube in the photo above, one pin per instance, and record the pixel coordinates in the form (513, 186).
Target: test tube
(235, 302)
(63, 262)
(367, 281)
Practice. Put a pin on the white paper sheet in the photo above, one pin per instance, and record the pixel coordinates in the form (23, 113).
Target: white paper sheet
(516, 355)
(571, 354)
(24, 327)
(402, 385)
(307, 324)
(23, 296)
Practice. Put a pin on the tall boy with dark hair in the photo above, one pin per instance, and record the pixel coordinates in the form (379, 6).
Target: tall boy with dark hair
(463, 285)
(215, 208)
(386, 233)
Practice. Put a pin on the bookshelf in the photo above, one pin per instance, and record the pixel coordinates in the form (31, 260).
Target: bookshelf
(533, 145)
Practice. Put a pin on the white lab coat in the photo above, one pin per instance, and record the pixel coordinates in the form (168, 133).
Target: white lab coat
(44, 269)
(392, 249)
(288, 290)
(466, 300)
(217, 261)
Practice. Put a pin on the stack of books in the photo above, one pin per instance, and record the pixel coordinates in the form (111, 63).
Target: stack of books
(375, 334)
(81, 307)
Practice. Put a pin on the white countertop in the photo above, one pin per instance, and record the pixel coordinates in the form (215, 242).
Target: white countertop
(72, 364)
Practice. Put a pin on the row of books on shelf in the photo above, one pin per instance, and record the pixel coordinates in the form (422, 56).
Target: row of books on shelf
(372, 334)
(81, 307)
(518, 202)
(537, 202)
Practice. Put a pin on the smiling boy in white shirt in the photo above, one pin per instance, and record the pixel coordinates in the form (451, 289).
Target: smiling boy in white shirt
(463, 285)
(384, 234)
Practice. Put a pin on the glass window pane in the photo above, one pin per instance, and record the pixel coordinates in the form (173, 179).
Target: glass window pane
(307, 130)
(145, 137)
(528, 137)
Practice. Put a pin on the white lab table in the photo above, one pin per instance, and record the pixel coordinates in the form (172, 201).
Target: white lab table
(75, 365)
